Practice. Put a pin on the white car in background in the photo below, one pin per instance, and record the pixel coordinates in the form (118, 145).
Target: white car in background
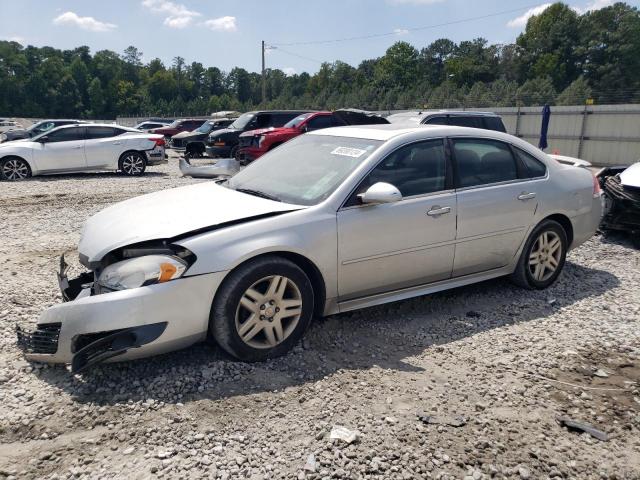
(81, 148)
(8, 125)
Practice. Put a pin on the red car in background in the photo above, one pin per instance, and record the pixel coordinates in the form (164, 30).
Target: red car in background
(255, 143)
(182, 125)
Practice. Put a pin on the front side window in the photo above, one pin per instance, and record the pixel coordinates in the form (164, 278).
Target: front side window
(415, 169)
(482, 161)
(437, 121)
(65, 134)
(305, 170)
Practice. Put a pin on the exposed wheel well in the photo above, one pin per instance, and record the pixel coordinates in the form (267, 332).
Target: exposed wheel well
(277, 144)
(308, 267)
(198, 147)
(566, 224)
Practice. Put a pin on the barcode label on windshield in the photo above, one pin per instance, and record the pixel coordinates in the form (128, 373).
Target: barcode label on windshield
(349, 152)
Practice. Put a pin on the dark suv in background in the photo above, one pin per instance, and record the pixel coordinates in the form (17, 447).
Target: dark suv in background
(224, 143)
(35, 129)
(461, 118)
(178, 126)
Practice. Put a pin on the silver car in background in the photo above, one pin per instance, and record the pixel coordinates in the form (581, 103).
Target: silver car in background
(332, 221)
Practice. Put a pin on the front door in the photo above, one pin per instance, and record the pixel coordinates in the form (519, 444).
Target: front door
(63, 150)
(402, 244)
(496, 204)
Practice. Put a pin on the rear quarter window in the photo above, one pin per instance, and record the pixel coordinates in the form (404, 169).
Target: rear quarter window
(462, 121)
(494, 123)
(534, 166)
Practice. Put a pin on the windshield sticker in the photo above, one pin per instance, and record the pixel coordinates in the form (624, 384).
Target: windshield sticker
(349, 152)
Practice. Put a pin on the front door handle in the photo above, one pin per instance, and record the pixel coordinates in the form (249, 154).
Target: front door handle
(117, 143)
(526, 196)
(438, 210)
(78, 148)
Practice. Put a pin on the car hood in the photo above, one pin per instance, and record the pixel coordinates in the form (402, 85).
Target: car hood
(185, 134)
(631, 176)
(17, 143)
(224, 131)
(270, 130)
(170, 213)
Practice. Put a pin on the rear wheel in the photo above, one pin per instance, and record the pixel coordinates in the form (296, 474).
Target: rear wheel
(132, 164)
(262, 309)
(14, 169)
(543, 256)
(234, 152)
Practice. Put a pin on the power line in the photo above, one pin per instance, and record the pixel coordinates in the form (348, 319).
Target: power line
(272, 47)
(414, 29)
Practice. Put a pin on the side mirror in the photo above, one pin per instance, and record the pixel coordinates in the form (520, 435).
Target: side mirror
(304, 129)
(380, 192)
(44, 139)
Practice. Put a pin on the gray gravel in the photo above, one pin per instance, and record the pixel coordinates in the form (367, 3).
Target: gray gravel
(502, 358)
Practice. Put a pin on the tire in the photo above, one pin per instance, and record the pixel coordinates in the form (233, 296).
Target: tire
(234, 152)
(540, 265)
(243, 322)
(14, 169)
(132, 164)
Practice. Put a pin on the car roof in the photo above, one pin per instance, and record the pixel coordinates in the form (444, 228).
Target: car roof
(425, 113)
(392, 130)
(89, 124)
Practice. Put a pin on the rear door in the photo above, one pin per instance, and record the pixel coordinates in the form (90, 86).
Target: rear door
(102, 146)
(62, 151)
(496, 204)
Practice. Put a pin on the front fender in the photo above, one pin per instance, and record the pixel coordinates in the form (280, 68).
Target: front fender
(306, 232)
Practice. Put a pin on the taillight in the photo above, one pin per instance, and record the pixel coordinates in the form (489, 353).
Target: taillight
(597, 191)
(158, 141)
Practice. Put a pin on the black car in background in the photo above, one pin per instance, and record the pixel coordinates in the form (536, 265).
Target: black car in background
(36, 129)
(224, 143)
(194, 143)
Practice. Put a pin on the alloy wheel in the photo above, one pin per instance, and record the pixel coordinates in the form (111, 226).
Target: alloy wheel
(545, 256)
(15, 169)
(268, 312)
(132, 164)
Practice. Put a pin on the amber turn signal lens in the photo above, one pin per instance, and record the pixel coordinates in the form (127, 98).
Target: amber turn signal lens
(167, 271)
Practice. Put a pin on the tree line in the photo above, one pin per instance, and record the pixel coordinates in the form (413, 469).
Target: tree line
(562, 58)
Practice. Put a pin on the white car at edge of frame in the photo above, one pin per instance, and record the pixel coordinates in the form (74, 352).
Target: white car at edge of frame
(81, 148)
(332, 221)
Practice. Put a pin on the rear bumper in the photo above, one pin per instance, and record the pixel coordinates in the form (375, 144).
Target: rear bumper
(156, 157)
(586, 224)
(123, 325)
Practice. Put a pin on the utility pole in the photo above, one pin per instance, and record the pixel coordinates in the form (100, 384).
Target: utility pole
(264, 78)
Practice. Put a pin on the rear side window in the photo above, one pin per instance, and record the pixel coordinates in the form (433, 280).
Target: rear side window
(481, 162)
(321, 121)
(462, 121)
(100, 132)
(494, 123)
(535, 168)
(66, 135)
(437, 121)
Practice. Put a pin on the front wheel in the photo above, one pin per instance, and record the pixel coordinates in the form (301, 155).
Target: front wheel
(262, 309)
(543, 257)
(14, 169)
(132, 164)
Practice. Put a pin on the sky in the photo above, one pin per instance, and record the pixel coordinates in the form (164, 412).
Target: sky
(229, 33)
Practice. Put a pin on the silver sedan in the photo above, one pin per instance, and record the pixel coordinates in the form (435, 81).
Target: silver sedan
(332, 221)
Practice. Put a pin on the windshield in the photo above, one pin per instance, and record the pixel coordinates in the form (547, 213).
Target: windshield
(297, 121)
(205, 127)
(306, 170)
(242, 121)
(174, 124)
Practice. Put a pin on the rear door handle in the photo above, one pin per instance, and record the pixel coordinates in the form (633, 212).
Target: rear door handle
(438, 210)
(526, 196)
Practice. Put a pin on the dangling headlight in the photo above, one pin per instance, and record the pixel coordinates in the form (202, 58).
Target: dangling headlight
(141, 271)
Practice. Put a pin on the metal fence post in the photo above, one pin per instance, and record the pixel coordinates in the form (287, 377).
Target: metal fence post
(517, 133)
(583, 129)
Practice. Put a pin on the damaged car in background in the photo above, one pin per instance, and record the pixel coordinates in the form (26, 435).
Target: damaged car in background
(621, 186)
(193, 143)
(332, 221)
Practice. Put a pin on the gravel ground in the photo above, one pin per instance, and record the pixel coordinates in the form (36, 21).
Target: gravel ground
(509, 361)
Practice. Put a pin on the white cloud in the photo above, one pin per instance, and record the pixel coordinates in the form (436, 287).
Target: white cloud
(594, 5)
(177, 15)
(400, 31)
(85, 23)
(15, 38)
(224, 24)
(414, 2)
(521, 21)
(288, 71)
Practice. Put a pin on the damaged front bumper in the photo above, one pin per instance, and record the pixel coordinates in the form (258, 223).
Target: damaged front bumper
(92, 328)
(226, 167)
